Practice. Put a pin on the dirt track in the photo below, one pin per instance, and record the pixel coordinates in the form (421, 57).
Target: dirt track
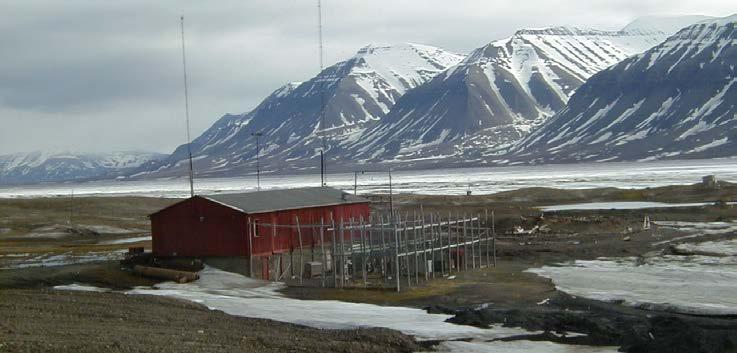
(70, 321)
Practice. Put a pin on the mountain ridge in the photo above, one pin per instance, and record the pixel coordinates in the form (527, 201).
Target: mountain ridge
(19, 168)
(675, 100)
(410, 105)
(497, 94)
(332, 107)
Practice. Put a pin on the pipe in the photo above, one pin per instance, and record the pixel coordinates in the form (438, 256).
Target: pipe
(166, 274)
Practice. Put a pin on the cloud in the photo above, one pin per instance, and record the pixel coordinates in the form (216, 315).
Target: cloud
(98, 76)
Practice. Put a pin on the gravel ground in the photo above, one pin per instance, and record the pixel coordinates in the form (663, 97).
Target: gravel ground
(72, 321)
(41, 320)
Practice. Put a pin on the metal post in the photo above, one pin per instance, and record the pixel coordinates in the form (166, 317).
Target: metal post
(438, 234)
(322, 250)
(464, 241)
(322, 167)
(432, 243)
(333, 262)
(471, 230)
(312, 243)
(250, 248)
(482, 240)
(291, 259)
(363, 250)
(369, 238)
(384, 249)
(440, 240)
(405, 238)
(273, 239)
(71, 208)
(291, 256)
(415, 247)
(258, 167)
(478, 236)
(488, 236)
(351, 234)
(391, 194)
(465, 244)
(493, 237)
(342, 255)
(480, 233)
(450, 236)
(424, 245)
(493, 223)
(473, 241)
(186, 113)
(301, 259)
(477, 242)
(457, 228)
(396, 249)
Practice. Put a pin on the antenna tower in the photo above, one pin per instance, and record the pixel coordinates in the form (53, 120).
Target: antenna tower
(186, 113)
(322, 96)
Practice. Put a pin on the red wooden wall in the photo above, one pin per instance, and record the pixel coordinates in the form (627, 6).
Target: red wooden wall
(198, 227)
(288, 238)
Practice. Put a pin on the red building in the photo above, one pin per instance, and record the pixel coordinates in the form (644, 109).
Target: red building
(242, 225)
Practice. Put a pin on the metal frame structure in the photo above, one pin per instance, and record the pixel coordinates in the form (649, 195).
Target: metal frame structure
(391, 251)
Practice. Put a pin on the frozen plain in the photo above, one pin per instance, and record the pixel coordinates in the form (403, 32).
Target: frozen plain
(702, 281)
(454, 181)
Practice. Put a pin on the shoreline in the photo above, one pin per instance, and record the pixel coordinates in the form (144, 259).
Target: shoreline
(485, 180)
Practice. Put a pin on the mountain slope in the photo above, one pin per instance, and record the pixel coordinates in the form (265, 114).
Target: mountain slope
(664, 24)
(502, 91)
(677, 100)
(23, 168)
(355, 93)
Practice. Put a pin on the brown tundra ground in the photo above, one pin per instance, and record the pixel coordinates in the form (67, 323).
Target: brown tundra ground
(35, 318)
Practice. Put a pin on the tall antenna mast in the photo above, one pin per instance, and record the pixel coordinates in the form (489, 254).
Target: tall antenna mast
(319, 30)
(322, 96)
(186, 112)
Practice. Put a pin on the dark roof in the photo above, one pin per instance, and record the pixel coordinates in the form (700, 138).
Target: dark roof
(285, 199)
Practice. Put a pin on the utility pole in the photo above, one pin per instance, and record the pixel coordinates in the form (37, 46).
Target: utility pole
(391, 192)
(186, 112)
(257, 135)
(322, 96)
(71, 208)
(322, 164)
(355, 180)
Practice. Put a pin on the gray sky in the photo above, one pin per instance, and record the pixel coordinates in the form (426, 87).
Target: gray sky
(99, 76)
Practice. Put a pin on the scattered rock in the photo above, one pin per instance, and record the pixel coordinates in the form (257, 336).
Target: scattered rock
(439, 309)
(636, 331)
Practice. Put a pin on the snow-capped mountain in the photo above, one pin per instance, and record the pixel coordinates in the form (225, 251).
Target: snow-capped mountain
(676, 100)
(663, 24)
(503, 90)
(21, 168)
(356, 93)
